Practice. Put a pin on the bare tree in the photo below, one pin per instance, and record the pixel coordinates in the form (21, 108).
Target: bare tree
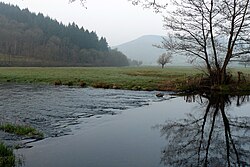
(164, 59)
(214, 31)
(83, 2)
(155, 4)
(144, 3)
(244, 60)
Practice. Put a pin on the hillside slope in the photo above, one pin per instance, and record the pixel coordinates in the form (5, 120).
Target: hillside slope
(29, 39)
(142, 49)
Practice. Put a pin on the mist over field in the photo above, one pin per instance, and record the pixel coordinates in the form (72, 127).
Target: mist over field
(143, 49)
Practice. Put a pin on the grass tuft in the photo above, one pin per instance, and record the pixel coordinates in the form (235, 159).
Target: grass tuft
(7, 157)
(22, 130)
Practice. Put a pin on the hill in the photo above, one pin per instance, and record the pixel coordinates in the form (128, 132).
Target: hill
(142, 49)
(29, 39)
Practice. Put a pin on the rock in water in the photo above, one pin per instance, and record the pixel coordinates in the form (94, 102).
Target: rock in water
(159, 95)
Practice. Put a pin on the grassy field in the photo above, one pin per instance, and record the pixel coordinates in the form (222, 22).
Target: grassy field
(141, 78)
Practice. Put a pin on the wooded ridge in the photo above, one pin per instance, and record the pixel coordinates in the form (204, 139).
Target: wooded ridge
(29, 39)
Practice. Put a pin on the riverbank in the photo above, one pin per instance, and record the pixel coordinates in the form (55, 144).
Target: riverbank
(129, 78)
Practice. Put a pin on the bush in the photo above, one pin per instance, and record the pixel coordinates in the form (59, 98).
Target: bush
(82, 84)
(58, 82)
(69, 83)
(102, 85)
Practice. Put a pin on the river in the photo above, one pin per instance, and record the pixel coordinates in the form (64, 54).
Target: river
(120, 128)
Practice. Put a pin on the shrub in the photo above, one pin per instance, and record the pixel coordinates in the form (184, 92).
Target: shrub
(82, 84)
(102, 85)
(58, 82)
(69, 83)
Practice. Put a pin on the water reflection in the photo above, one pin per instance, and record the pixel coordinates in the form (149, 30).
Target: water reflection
(213, 136)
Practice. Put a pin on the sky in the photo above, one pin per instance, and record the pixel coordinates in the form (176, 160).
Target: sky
(116, 20)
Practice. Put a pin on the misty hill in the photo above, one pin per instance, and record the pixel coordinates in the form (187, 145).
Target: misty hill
(142, 49)
(29, 39)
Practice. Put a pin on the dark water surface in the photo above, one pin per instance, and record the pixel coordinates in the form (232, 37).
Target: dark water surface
(54, 109)
(118, 128)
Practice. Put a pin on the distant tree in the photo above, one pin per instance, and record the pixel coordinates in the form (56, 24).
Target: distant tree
(117, 58)
(164, 59)
(103, 44)
(135, 62)
(139, 63)
(245, 60)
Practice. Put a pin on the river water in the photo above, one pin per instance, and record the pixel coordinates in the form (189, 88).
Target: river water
(120, 128)
(54, 110)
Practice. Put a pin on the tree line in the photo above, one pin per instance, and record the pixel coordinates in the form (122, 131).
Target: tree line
(29, 39)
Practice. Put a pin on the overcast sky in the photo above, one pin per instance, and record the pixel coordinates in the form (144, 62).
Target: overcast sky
(117, 20)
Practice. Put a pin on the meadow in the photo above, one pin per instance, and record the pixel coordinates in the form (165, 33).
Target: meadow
(133, 78)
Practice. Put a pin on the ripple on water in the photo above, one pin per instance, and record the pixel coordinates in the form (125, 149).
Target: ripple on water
(54, 110)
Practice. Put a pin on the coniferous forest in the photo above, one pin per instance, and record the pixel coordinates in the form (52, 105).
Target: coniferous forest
(29, 39)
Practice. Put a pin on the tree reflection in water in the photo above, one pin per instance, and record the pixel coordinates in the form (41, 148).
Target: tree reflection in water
(208, 138)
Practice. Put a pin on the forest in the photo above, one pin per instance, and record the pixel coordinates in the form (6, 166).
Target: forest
(29, 39)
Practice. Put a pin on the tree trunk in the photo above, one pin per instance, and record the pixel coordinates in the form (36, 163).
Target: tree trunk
(218, 76)
(223, 76)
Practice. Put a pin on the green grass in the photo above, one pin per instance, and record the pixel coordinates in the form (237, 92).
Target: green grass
(133, 78)
(22, 130)
(143, 78)
(7, 157)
